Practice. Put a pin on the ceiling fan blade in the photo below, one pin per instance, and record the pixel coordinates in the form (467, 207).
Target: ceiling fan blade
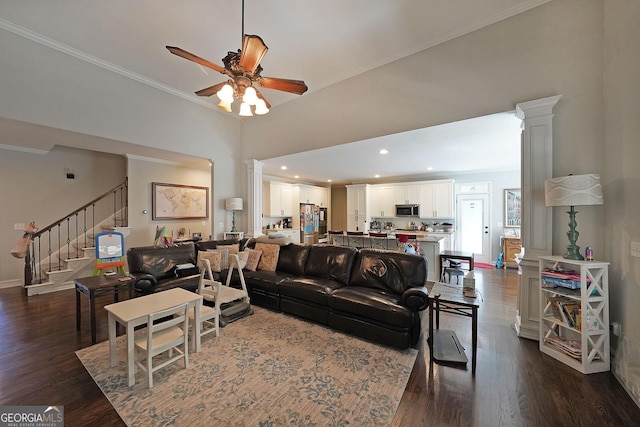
(211, 90)
(191, 57)
(253, 50)
(293, 86)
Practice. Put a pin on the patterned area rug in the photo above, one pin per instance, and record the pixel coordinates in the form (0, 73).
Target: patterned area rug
(269, 369)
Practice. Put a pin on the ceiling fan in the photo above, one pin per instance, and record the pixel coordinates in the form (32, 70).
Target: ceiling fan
(243, 68)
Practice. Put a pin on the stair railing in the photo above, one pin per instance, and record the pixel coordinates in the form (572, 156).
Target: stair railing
(69, 235)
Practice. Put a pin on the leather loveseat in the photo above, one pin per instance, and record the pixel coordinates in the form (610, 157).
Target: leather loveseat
(376, 295)
(154, 267)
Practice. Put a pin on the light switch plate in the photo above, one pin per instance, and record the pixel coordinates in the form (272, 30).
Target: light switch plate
(18, 226)
(635, 249)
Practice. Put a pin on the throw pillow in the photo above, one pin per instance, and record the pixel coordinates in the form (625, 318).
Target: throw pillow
(213, 257)
(253, 259)
(224, 257)
(269, 258)
(233, 249)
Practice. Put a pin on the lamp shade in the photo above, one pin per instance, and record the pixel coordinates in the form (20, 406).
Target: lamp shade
(233, 204)
(573, 190)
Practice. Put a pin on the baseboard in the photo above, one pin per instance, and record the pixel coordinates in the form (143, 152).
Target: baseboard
(13, 283)
(625, 387)
(48, 288)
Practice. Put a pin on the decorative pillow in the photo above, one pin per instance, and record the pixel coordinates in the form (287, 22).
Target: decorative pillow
(253, 259)
(224, 257)
(213, 257)
(233, 249)
(269, 258)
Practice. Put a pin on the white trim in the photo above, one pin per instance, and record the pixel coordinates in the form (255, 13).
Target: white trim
(13, 283)
(76, 53)
(23, 149)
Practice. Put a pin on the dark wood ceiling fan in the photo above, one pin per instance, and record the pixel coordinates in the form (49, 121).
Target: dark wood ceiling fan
(243, 68)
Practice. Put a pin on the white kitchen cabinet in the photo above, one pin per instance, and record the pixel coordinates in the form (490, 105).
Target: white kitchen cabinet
(447, 243)
(407, 194)
(358, 204)
(277, 199)
(312, 194)
(382, 201)
(436, 199)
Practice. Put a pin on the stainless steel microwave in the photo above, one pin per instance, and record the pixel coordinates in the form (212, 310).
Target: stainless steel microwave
(408, 210)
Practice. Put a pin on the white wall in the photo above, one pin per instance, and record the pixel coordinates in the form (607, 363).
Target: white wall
(621, 182)
(35, 188)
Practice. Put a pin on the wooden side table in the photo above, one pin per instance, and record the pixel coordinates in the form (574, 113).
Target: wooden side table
(95, 286)
(511, 247)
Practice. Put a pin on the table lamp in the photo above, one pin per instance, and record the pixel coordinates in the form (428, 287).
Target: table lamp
(233, 204)
(573, 190)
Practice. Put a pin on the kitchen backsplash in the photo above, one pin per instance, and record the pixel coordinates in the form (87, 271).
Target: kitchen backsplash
(417, 225)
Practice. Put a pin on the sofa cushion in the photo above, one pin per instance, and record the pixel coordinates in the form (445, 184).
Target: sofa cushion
(204, 245)
(330, 262)
(292, 258)
(160, 261)
(269, 257)
(312, 289)
(371, 303)
(388, 270)
(264, 280)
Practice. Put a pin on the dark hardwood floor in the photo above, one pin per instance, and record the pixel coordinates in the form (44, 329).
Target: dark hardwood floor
(515, 385)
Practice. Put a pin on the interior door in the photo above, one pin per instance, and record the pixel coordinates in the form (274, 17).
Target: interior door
(472, 226)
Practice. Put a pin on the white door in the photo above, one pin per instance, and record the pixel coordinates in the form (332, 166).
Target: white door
(472, 226)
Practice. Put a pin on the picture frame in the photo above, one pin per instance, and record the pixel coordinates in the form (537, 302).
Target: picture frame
(512, 207)
(176, 201)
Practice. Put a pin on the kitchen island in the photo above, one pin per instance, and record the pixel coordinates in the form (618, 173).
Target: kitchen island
(431, 246)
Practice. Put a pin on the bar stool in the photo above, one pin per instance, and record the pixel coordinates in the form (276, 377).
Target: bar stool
(379, 241)
(332, 234)
(404, 239)
(355, 239)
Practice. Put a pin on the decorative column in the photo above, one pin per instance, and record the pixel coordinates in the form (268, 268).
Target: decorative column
(254, 197)
(536, 236)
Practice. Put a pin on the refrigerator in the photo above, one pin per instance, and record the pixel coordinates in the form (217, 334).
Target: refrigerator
(309, 223)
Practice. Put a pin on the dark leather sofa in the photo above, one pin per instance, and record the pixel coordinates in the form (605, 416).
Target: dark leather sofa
(154, 267)
(376, 295)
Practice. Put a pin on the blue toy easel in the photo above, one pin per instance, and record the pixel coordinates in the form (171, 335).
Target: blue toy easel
(110, 252)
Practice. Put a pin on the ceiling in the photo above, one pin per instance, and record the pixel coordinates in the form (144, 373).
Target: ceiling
(322, 42)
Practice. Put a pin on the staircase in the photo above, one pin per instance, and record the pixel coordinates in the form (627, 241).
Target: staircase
(66, 250)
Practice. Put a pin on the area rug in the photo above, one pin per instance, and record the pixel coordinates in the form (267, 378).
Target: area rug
(483, 265)
(269, 369)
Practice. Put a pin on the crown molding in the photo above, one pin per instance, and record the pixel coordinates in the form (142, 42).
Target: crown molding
(23, 149)
(83, 56)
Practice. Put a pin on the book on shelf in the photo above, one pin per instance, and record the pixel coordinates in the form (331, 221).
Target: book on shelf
(567, 310)
(564, 278)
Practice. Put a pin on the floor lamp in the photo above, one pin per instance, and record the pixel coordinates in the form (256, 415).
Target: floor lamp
(233, 204)
(573, 190)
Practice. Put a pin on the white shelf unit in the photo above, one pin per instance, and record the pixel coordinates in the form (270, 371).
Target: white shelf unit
(591, 335)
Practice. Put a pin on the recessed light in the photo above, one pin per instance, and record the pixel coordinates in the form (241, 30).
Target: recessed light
(328, 180)
(284, 168)
(429, 168)
(376, 176)
(384, 151)
(296, 176)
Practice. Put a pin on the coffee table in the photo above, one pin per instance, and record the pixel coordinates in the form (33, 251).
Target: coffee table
(443, 344)
(95, 286)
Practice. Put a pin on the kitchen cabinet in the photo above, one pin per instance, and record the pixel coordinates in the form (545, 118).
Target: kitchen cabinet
(358, 205)
(382, 201)
(277, 199)
(312, 194)
(447, 242)
(407, 194)
(574, 313)
(436, 199)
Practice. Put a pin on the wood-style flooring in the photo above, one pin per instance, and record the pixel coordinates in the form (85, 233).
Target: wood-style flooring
(515, 384)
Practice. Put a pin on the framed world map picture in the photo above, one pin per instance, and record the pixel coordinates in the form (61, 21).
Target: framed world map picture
(174, 201)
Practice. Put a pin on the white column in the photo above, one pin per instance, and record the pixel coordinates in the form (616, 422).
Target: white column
(537, 165)
(254, 197)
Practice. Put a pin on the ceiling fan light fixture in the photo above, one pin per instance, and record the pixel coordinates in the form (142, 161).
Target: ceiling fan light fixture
(245, 110)
(261, 107)
(250, 96)
(226, 94)
(225, 106)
